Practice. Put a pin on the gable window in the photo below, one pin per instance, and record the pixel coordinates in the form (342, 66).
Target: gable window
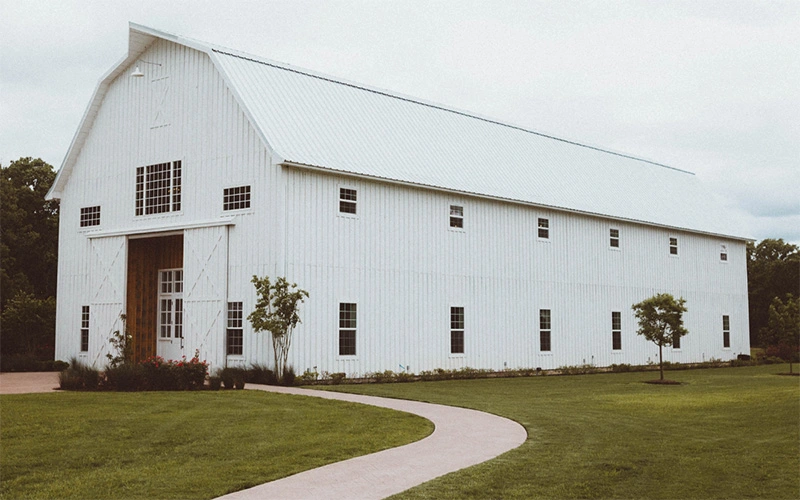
(723, 253)
(456, 216)
(84, 328)
(544, 228)
(347, 201)
(613, 240)
(616, 330)
(235, 336)
(544, 330)
(726, 332)
(456, 330)
(673, 246)
(158, 188)
(90, 216)
(347, 329)
(236, 198)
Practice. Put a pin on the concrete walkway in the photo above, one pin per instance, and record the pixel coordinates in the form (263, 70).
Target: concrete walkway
(28, 382)
(460, 439)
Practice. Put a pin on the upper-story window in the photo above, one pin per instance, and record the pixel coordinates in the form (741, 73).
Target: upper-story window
(673, 246)
(544, 228)
(613, 238)
(236, 198)
(158, 188)
(347, 201)
(457, 216)
(90, 216)
(723, 253)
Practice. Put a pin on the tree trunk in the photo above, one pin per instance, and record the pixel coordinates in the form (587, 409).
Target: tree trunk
(660, 362)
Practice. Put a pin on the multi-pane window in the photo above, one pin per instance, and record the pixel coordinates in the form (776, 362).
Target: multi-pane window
(158, 188)
(544, 228)
(723, 253)
(236, 198)
(347, 200)
(726, 331)
(90, 216)
(235, 336)
(616, 330)
(347, 329)
(544, 330)
(170, 304)
(457, 216)
(456, 330)
(673, 246)
(676, 343)
(613, 238)
(84, 328)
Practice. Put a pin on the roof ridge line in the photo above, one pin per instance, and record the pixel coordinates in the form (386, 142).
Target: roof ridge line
(437, 106)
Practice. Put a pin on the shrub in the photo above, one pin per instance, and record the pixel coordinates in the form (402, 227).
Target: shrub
(233, 378)
(124, 377)
(214, 383)
(620, 368)
(338, 377)
(79, 377)
(288, 376)
(182, 375)
(260, 374)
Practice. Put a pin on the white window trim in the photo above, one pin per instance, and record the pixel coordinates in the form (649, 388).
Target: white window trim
(169, 212)
(677, 246)
(236, 210)
(549, 228)
(617, 248)
(449, 216)
(723, 246)
(450, 331)
(348, 357)
(357, 202)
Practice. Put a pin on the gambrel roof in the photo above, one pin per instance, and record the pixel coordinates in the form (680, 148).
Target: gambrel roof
(310, 120)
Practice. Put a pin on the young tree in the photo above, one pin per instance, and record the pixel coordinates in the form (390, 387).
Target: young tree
(276, 312)
(782, 332)
(773, 268)
(661, 321)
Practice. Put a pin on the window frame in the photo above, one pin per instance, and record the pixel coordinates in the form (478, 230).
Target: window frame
(726, 331)
(616, 331)
(84, 339)
(723, 253)
(614, 238)
(348, 329)
(545, 331)
(237, 201)
(673, 246)
(90, 216)
(234, 330)
(158, 189)
(344, 200)
(543, 228)
(677, 346)
(457, 218)
(457, 322)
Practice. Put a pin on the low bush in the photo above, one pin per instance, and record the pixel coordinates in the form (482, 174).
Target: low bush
(233, 378)
(126, 378)
(260, 374)
(30, 363)
(79, 377)
(288, 376)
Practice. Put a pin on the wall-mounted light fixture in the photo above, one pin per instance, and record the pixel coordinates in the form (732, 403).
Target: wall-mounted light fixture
(137, 73)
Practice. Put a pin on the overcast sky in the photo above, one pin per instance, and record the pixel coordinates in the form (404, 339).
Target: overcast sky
(709, 87)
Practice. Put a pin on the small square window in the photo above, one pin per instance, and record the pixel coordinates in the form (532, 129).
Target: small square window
(723, 253)
(673, 246)
(347, 329)
(90, 216)
(236, 198)
(544, 228)
(613, 238)
(457, 216)
(347, 201)
(235, 333)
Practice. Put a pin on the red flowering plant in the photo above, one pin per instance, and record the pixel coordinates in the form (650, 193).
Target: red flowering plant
(173, 375)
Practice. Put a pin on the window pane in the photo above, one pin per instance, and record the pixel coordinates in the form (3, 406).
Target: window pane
(347, 342)
(457, 342)
(544, 341)
(544, 319)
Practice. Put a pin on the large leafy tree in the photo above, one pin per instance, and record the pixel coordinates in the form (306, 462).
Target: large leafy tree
(276, 312)
(773, 270)
(782, 333)
(28, 256)
(661, 321)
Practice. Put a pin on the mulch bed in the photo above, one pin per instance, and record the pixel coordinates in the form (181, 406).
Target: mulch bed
(662, 382)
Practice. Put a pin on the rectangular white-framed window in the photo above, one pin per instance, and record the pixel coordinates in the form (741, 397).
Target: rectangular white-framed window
(616, 330)
(236, 198)
(456, 330)
(456, 216)
(235, 333)
(726, 331)
(543, 228)
(90, 216)
(545, 330)
(170, 304)
(84, 328)
(677, 343)
(347, 328)
(723, 253)
(347, 201)
(158, 188)
(673, 245)
(613, 238)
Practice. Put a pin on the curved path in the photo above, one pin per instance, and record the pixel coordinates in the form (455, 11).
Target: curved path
(461, 438)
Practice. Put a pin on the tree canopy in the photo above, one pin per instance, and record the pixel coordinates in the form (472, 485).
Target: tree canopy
(781, 335)
(773, 270)
(661, 321)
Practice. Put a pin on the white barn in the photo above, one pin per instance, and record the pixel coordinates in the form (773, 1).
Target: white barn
(427, 237)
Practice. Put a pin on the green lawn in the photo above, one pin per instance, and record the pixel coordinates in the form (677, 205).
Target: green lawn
(726, 433)
(180, 444)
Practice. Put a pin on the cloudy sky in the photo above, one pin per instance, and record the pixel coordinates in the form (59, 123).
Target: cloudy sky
(705, 86)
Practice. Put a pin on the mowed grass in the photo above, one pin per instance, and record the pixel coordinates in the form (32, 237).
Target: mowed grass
(180, 444)
(725, 433)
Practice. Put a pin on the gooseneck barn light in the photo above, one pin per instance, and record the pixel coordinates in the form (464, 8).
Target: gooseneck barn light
(137, 73)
